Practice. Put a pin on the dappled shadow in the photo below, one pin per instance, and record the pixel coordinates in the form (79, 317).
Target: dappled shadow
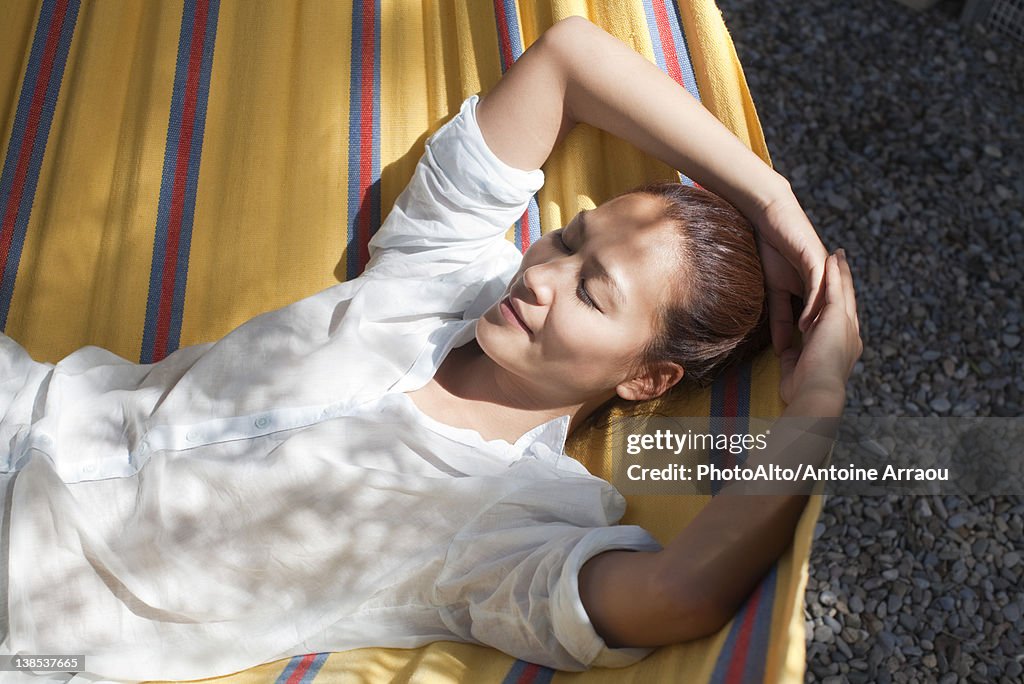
(371, 209)
(229, 551)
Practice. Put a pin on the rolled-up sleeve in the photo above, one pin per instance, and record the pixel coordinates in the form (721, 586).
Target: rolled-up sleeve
(511, 578)
(461, 198)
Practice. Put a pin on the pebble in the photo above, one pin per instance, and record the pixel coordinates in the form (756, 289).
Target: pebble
(1011, 560)
(918, 170)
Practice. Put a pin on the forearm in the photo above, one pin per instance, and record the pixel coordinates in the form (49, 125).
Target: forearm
(610, 86)
(735, 539)
(696, 584)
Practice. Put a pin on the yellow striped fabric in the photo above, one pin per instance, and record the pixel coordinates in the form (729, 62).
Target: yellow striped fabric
(172, 169)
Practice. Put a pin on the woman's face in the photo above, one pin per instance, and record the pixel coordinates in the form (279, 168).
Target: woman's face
(583, 304)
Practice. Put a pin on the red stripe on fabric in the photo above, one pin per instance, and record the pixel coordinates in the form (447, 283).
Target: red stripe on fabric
(366, 133)
(741, 649)
(28, 141)
(668, 45)
(301, 669)
(503, 37)
(528, 674)
(163, 322)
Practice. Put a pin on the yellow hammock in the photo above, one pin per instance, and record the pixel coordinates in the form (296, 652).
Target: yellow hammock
(173, 169)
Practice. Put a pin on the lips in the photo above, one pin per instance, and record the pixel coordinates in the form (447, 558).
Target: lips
(510, 313)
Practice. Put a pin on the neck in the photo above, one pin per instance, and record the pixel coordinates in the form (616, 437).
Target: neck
(471, 375)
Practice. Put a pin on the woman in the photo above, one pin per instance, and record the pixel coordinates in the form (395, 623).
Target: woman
(382, 463)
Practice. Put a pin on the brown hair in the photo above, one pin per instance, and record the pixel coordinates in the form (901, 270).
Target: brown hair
(720, 316)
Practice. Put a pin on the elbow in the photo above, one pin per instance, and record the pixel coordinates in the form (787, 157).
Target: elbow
(568, 45)
(572, 26)
(571, 38)
(694, 605)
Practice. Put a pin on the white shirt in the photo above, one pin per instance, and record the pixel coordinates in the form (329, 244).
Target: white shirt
(277, 493)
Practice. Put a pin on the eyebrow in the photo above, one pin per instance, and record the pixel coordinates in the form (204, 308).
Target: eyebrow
(602, 273)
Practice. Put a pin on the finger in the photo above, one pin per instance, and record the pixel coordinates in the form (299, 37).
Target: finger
(780, 319)
(833, 282)
(848, 289)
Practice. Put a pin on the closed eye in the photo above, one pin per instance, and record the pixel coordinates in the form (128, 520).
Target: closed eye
(581, 289)
(581, 292)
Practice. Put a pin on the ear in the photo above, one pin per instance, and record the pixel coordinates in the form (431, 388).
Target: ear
(657, 379)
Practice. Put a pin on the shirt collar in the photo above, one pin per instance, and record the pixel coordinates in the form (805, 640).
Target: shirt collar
(551, 434)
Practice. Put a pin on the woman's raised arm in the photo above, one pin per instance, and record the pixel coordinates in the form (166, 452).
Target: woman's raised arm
(695, 584)
(576, 72)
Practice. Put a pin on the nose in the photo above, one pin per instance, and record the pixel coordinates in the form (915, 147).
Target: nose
(543, 279)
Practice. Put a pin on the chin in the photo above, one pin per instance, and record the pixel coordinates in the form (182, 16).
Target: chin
(489, 337)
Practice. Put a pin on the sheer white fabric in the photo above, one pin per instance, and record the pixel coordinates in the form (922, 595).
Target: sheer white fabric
(277, 493)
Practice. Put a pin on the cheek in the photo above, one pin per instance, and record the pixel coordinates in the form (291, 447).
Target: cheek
(577, 337)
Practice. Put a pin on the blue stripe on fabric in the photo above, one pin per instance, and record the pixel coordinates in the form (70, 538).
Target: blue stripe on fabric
(511, 29)
(652, 30)
(311, 672)
(192, 177)
(163, 213)
(741, 422)
(356, 201)
(355, 100)
(744, 377)
(533, 216)
(725, 656)
(761, 632)
(38, 145)
(682, 54)
(529, 223)
(289, 669)
(720, 423)
(374, 189)
(515, 672)
(542, 675)
(28, 88)
(174, 126)
(716, 423)
(167, 179)
(314, 668)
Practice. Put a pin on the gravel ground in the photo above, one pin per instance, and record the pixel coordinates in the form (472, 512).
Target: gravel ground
(903, 137)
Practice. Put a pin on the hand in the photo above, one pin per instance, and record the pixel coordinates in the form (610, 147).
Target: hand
(831, 345)
(793, 259)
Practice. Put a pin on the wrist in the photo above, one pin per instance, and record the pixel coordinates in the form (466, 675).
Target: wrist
(822, 401)
(775, 192)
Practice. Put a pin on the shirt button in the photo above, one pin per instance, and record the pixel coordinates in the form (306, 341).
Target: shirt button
(262, 422)
(45, 440)
(192, 436)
